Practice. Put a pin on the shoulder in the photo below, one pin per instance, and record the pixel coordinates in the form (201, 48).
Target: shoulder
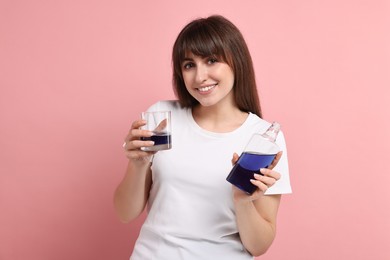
(171, 105)
(258, 124)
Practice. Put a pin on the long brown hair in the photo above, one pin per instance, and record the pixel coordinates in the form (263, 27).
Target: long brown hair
(217, 36)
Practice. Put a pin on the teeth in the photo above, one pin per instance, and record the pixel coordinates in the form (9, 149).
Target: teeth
(206, 88)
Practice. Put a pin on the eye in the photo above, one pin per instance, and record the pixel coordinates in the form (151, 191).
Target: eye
(188, 65)
(212, 60)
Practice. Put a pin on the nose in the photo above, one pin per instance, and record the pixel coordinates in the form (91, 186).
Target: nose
(201, 73)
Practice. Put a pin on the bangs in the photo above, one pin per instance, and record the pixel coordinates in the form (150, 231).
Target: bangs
(203, 42)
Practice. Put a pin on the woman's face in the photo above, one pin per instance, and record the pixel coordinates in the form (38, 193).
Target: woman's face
(208, 79)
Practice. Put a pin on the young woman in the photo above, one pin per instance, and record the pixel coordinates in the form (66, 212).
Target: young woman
(193, 212)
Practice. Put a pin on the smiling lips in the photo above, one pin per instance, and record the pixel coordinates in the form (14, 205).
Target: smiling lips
(207, 89)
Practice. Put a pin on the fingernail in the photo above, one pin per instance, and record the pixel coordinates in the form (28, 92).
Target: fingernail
(256, 175)
(262, 170)
(151, 142)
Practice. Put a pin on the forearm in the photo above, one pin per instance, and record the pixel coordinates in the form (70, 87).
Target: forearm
(132, 193)
(257, 231)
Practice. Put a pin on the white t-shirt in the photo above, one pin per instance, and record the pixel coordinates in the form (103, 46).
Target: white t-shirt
(191, 214)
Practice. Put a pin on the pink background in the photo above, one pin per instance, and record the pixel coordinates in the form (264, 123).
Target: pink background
(74, 74)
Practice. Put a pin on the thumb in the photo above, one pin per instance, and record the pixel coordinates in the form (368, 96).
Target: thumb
(235, 158)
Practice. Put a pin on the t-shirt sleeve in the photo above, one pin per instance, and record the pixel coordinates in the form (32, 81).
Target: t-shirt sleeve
(282, 186)
(164, 105)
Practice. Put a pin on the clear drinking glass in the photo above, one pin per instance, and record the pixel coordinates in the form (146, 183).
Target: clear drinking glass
(159, 122)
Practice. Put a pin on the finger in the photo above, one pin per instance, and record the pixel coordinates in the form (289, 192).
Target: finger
(137, 144)
(162, 125)
(138, 123)
(235, 158)
(269, 181)
(137, 133)
(135, 126)
(275, 160)
(262, 186)
(270, 173)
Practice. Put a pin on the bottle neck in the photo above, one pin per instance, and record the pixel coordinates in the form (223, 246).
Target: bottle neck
(272, 132)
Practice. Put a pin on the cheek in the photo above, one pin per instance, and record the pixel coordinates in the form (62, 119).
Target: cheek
(226, 73)
(231, 78)
(230, 81)
(187, 79)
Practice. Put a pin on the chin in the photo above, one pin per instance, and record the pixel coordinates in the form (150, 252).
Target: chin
(207, 103)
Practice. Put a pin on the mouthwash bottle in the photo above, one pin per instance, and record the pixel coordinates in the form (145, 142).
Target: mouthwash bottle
(258, 153)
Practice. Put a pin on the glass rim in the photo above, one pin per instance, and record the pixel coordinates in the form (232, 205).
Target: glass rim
(155, 112)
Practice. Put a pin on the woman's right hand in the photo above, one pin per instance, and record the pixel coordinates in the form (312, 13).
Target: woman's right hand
(133, 142)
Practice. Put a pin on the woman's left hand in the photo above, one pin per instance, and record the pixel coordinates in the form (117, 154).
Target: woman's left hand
(263, 182)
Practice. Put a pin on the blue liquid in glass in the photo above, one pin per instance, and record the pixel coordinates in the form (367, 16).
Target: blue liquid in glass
(158, 138)
(162, 141)
(248, 164)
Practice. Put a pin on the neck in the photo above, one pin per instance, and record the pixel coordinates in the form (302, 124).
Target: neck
(219, 119)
